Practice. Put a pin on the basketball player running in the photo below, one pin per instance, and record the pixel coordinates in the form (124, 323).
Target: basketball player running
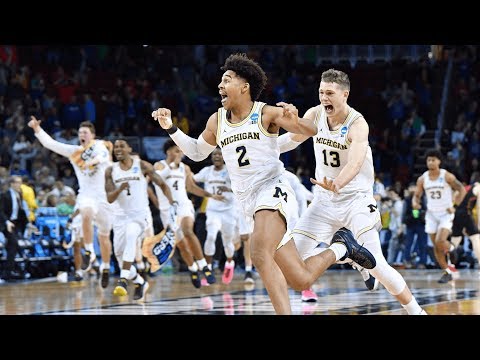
(243, 230)
(247, 132)
(220, 214)
(126, 183)
(179, 178)
(439, 185)
(300, 191)
(89, 161)
(464, 219)
(344, 172)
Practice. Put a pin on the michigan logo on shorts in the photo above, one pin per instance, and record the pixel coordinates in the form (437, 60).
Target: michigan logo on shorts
(159, 249)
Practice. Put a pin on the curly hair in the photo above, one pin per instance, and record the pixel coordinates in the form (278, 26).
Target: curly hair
(434, 153)
(249, 70)
(168, 144)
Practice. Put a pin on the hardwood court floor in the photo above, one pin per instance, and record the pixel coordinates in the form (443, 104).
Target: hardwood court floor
(341, 292)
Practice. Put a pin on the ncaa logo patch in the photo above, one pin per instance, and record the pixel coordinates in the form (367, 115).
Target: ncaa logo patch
(343, 130)
(254, 118)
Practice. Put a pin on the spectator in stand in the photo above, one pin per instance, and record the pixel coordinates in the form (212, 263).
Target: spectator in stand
(23, 150)
(28, 194)
(414, 221)
(89, 108)
(182, 122)
(16, 169)
(60, 189)
(5, 152)
(13, 221)
(68, 178)
(72, 114)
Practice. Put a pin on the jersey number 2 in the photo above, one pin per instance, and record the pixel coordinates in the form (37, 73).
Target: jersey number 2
(242, 160)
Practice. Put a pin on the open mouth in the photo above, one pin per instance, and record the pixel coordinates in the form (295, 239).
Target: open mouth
(328, 108)
(224, 98)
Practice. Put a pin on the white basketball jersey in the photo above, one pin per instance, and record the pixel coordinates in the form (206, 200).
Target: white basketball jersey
(91, 180)
(438, 192)
(331, 154)
(135, 200)
(251, 154)
(213, 179)
(175, 179)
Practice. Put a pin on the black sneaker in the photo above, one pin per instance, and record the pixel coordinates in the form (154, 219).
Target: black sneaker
(140, 291)
(209, 275)
(77, 277)
(370, 281)
(195, 277)
(355, 251)
(455, 255)
(105, 278)
(87, 260)
(446, 277)
(248, 277)
(121, 288)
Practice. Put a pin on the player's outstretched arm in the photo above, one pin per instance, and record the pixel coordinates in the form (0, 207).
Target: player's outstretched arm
(290, 141)
(46, 140)
(195, 149)
(286, 117)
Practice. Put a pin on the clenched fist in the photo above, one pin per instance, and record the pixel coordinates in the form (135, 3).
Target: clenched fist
(164, 117)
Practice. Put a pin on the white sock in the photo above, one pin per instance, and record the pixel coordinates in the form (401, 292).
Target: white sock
(89, 247)
(202, 263)
(104, 265)
(413, 308)
(248, 267)
(125, 274)
(139, 280)
(339, 249)
(194, 267)
(230, 263)
(140, 265)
